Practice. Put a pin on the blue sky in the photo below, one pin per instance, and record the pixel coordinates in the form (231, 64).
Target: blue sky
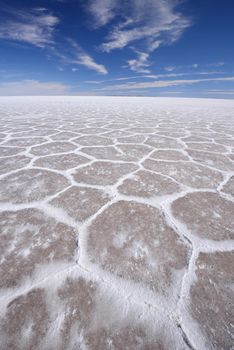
(117, 47)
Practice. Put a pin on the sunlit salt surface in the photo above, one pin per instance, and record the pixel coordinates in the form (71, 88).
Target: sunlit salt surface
(117, 221)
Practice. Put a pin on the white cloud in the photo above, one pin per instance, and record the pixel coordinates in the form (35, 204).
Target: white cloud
(154, 45)
(220, 92)
(84, 59)
(171, 92)
(169, 68)
(149, 23)
(216, 64)
(140, 64)
(71, 53)
(102, 11)
(152, 22)
(34, 27)
(151, 76)
(156, 76)
(33, 88)
(93, 82)
(162, 83)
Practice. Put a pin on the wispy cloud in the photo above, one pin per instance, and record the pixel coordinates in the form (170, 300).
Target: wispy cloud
(140, 64)
(163, 83)
(171, 92)
(33, 88)
(169, 68)
(155, 76)
(216, 64)
(148, 24)
(35, 26)
(93, 82)
(103, 11)
(220, 92)
(71, 53)
(84, 59)
(195, 66)
(152, 22)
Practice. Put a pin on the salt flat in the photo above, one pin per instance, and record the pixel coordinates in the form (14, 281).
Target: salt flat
(117, 221)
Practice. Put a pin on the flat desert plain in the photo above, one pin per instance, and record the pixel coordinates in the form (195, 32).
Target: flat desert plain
(116, 224)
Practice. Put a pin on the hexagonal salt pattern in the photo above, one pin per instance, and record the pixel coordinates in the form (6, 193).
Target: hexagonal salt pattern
(31, 185)
(129, 239)
(30, 239)
(228, 188)
(86, 318)
(211, 298)
(103, 173)
(81, 202)
(206, 215)
(147, 184)
(52, 147)
(26, 314)
(218, 161)
(187, 173)
(9, 164)
(116, 223)
(61, 161)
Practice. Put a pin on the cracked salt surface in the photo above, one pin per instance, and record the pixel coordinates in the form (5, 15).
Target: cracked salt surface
(116, 223)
